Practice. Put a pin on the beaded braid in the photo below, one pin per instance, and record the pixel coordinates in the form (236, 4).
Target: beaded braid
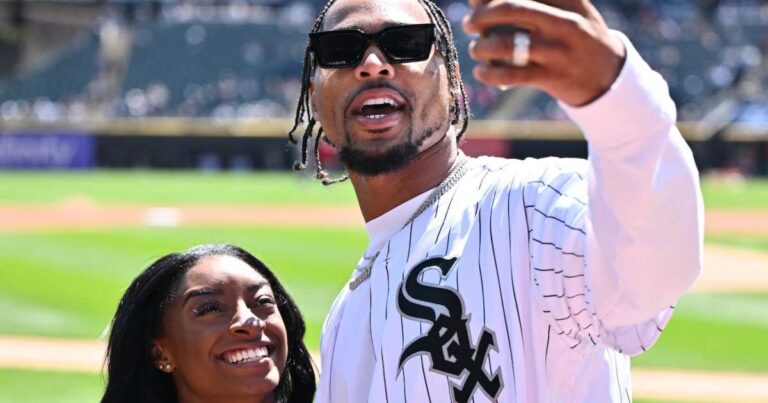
(446, 33)
(445, 44)
(319, 173)
(303, 108)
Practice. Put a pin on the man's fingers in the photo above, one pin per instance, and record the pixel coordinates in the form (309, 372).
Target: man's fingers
(501, 47)
(477, 3)
(523, 13)
(497, 75)
(571, 5)
(589, 60)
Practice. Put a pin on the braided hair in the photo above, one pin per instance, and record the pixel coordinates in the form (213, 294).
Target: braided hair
(446, 46)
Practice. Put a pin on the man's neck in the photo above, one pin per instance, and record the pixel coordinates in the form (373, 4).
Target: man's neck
(378, 194)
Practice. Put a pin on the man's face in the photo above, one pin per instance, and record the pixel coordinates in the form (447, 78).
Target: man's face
(350, 102)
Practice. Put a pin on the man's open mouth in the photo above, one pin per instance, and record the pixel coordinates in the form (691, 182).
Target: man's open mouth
(379, 108)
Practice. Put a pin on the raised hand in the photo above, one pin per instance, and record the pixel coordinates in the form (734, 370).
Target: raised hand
(571, 55)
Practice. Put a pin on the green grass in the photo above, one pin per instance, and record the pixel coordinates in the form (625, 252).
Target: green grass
(716, 332)
(153, 187)
(191, 187)
(754, 242)
(752, 194)
(70, 284)
(69, 287)
(713, 332)
(67, 283)
(22, 386)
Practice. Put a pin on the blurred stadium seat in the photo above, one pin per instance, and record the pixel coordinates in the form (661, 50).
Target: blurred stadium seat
(213, 69)
(222, 60)
(242, 59)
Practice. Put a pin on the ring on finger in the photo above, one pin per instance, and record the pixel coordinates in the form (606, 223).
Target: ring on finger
(521, 53)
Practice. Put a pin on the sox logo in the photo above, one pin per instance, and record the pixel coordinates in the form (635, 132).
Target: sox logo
(448, 341)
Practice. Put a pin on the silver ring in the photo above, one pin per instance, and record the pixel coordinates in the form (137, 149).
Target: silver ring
(521, 53)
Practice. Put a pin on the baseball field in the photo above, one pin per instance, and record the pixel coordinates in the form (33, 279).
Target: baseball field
(70, 243)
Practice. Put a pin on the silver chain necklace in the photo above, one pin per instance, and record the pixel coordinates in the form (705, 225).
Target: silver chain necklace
(457, 171)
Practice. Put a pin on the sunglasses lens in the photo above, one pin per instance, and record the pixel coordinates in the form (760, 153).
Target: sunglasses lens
(339, 49)
(407, 43)
(400, 44)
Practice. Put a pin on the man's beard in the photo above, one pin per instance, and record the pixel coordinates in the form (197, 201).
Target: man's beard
(390, 160)
(376, 164)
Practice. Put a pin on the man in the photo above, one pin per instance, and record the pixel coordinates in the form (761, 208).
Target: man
(490, 279)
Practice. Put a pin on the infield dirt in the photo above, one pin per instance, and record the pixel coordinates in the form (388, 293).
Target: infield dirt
(80, 213)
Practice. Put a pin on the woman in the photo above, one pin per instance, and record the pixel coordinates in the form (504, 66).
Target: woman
(212, 324)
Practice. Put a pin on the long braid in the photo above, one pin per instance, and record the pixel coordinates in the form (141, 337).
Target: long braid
(456, 83)
(303, 104)
(303, 94)
(303, 108)
(443, 28)
(300, 165)
(320, 174)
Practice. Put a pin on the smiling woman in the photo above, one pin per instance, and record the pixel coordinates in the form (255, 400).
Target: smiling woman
(209, 324)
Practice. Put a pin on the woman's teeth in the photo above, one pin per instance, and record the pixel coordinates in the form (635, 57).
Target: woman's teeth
(245, 356)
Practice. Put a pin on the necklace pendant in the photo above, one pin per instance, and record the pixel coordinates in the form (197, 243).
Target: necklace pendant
(364, 275)
(365, 272)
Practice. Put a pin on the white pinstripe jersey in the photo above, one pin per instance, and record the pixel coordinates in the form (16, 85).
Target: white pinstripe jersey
(513, 286)
(517, 230)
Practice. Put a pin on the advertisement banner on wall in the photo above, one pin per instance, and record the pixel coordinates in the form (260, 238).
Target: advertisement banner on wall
(47, 151)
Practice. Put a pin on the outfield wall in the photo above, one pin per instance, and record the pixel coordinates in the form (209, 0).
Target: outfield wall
(171, 143)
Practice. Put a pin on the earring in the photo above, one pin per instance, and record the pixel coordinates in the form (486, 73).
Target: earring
(166, 368)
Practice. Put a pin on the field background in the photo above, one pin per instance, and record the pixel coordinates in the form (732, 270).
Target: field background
(65, 282)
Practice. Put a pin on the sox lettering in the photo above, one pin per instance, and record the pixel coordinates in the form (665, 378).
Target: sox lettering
(447, 342)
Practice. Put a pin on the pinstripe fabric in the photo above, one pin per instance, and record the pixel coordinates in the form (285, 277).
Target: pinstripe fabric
(520, 275)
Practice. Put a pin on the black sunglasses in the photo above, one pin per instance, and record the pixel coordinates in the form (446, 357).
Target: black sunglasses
(399, 44)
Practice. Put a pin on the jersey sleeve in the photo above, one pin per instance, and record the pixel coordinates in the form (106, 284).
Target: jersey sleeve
(614, 242)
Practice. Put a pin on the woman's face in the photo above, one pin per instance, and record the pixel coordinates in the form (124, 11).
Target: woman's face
(223, 334)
